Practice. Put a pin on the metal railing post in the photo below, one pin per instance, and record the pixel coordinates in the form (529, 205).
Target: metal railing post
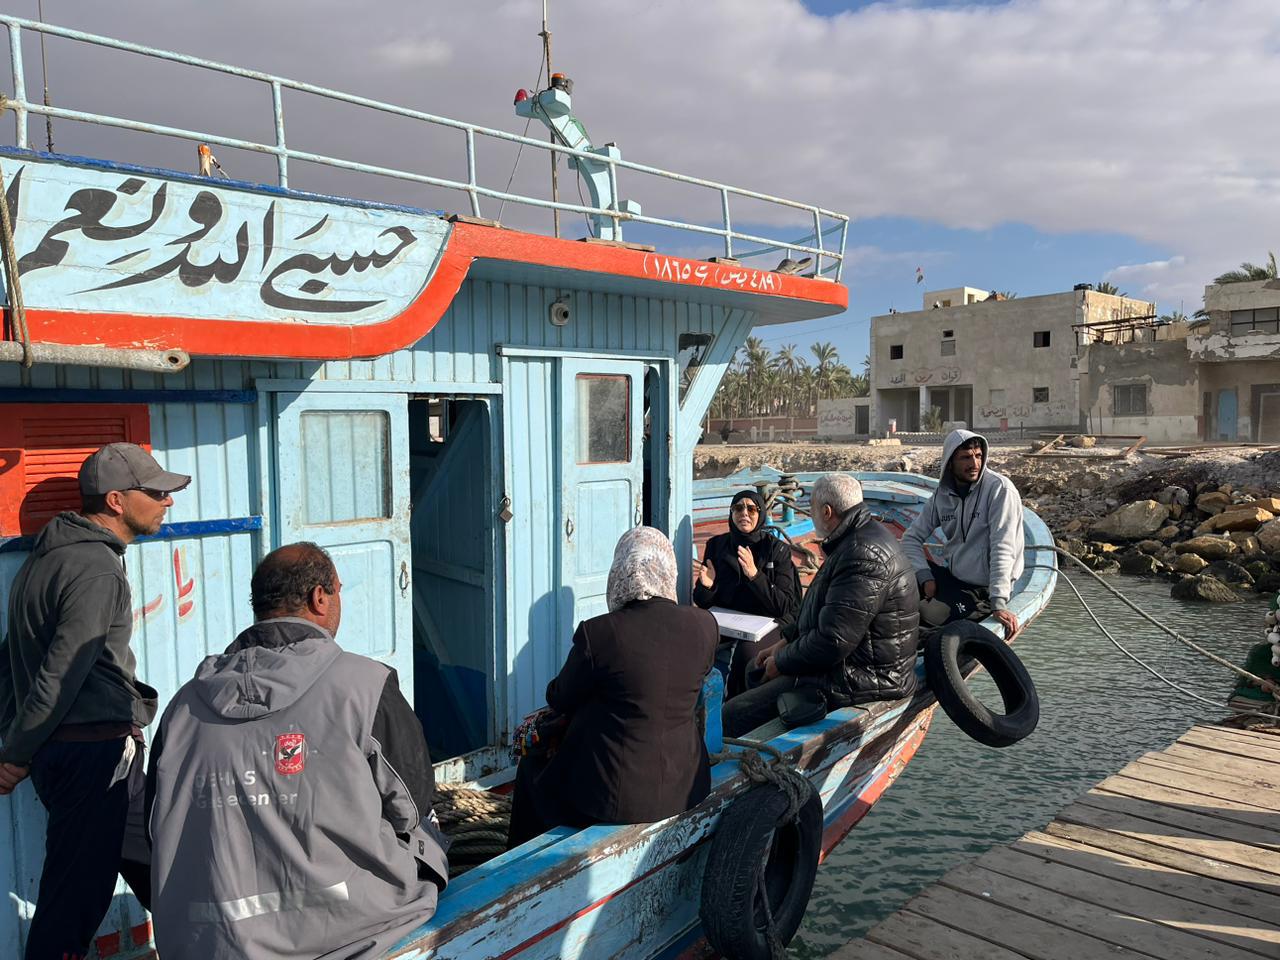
(844, 235)
(19, 86)
(471, 172)
(728, 226)
(282, 157)
(817, 234)
(615, 202)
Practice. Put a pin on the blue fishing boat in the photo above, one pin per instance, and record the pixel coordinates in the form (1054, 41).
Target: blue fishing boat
(465, 416)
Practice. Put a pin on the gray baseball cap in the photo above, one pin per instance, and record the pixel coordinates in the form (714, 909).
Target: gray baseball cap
(126, 466)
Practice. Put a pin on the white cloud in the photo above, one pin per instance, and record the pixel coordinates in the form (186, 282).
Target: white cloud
(1151, 118)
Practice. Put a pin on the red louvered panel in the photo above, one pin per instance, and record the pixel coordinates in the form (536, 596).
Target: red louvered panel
(42, 447)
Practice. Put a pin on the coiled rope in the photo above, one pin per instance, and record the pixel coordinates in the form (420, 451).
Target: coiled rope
(1267, 685)
(476, 822)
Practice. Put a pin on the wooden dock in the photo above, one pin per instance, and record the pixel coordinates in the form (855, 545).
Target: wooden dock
(1176, 857)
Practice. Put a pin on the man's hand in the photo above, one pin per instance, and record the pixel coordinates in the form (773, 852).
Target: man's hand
(747, 562)
(770, 668)
(768, 653)
(707, 574)
(929, 588)
(1009, 620)
(10, 776)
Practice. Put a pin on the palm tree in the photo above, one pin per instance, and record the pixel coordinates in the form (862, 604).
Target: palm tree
(1173, 316)
(1007, 294)
(1251, 271)
(1106, 286)
(785, 360)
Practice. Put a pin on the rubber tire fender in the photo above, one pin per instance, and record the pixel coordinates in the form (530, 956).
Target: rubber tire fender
(943, 652)
(748, 832)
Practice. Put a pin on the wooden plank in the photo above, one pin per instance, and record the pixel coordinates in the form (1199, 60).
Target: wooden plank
(865, 950)
(1188, 916)
(924, 939)
(1236, 775)
(1048, 446)
(1030, 936)
(1250, 796)
(1189, 814)
(1231, 734)
(1272, 737)
(1168, 835)
(1217, 818)
(1232, 897)
(1199, 758)
(1115, 924)
(1249, 749)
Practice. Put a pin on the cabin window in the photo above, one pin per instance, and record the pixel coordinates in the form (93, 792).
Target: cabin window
(1040, 338)
(895, 351)
(1129, 400)
(1039, 394)
(41, 448)
(604, 418)
(347, 453)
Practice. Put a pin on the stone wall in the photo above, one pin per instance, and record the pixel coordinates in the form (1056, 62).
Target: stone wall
(1163, 367)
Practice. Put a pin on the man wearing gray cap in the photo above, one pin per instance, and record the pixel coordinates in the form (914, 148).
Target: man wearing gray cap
(71, 708)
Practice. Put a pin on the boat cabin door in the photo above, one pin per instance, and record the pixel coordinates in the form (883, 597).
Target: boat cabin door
(601, 477)
(342, 481)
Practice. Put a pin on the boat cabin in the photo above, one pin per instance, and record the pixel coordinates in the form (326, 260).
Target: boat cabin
(465, 416)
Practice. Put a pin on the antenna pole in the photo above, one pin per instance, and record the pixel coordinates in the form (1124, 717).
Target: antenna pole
(555, 158)
(44, 70)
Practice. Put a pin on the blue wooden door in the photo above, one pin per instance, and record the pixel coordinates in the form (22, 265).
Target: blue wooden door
(1226, 414)
(601, 476)
(342, 481)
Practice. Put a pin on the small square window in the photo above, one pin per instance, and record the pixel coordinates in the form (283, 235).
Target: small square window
(948, 334)
(895, 351)
(1129, 400)
(1039, 394)
(1040, 338)
(948, 348)
(945, 303)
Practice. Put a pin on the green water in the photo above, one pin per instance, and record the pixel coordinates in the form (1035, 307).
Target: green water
(1098, 711)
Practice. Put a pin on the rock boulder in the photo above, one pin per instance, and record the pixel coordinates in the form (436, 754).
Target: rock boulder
(1203, 589)
(1214, 501)
(1174, 495)
(1269, 536)
(1190, 563)
(1229, 572)
(1209, 547)
(1134, 521)
(1139, 565)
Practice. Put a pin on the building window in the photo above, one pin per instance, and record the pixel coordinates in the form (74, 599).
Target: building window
(996, 398)
(1040, 338)
(948, 348)
(1265, 320)
(1129, 400)
(948, 334)
(1039, 394)
(895, 351)
(944, 303)
(355, 448)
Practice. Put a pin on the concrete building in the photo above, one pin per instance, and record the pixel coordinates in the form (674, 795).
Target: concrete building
(991, 363)
(1237, 357)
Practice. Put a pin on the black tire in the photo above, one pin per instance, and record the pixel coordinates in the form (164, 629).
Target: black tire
(733, 917)
(943, 653)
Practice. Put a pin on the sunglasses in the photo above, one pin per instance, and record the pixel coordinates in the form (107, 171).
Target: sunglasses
(744, 507)
(153, 494)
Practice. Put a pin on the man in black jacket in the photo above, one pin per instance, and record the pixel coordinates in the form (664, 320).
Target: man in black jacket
(855, 639)
(71, 707)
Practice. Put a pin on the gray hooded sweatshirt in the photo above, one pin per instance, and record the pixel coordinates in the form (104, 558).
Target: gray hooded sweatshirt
(280, 829)
(981, 527)
(66, 659)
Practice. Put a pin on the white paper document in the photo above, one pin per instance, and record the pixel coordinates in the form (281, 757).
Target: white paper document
(743, 626)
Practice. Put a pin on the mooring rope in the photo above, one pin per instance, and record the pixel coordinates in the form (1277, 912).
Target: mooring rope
(1267, 685)
(475, 821)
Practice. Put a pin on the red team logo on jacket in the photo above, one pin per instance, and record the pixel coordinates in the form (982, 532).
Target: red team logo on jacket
(291, 753)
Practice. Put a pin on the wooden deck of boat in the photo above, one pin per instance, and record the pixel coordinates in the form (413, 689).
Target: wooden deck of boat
(1175, 857)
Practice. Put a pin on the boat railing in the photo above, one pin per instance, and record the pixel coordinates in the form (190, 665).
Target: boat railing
(828, 259)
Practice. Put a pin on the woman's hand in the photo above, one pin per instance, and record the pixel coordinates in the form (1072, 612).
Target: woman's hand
(747, 562)
(707, 574)
(769, 652)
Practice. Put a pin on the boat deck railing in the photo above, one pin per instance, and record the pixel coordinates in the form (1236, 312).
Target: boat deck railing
(828, 259)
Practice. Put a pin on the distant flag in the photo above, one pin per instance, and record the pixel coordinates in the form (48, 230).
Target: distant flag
(919, 274)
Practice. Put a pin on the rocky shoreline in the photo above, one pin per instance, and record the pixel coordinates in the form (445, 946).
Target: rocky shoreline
(1209, 522)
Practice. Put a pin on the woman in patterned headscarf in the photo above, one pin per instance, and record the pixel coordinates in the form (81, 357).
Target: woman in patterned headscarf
(632, 752)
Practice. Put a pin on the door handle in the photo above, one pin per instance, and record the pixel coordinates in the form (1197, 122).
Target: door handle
(404, 577)
(568, 528)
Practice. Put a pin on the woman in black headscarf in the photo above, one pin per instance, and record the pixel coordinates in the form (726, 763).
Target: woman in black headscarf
(748, 569)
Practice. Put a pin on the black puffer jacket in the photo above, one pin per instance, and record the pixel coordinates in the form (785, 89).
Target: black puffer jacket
(858, 622)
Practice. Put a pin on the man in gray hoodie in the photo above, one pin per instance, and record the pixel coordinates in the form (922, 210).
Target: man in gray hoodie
(71, 708)
(980, 514)
(290, 790)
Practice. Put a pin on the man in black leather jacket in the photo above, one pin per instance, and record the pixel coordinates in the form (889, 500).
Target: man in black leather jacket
(855, 639)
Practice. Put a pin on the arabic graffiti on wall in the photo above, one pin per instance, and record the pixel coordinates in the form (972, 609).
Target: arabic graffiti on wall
(710, 274)
(100, 240)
